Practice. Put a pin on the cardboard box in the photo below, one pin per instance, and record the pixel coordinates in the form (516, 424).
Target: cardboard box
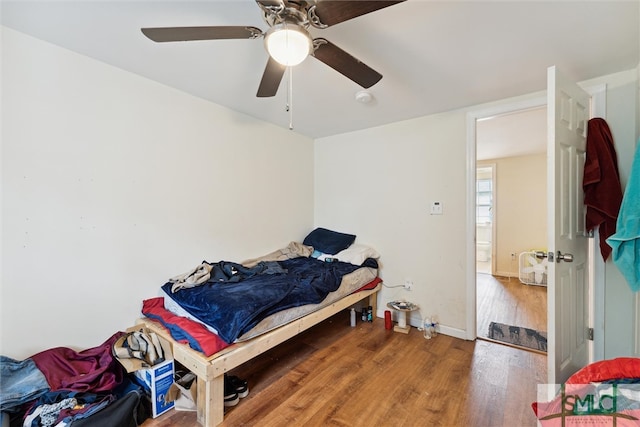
(158, 379)
(184, 398)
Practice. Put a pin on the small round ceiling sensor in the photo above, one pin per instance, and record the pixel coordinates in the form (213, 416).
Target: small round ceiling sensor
(364, 97)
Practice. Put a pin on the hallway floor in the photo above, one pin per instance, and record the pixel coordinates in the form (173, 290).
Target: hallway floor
(507, 300)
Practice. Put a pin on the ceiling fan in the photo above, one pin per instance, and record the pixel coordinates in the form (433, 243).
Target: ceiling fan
(287, 39)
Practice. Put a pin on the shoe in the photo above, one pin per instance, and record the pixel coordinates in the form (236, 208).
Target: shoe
(185, 380)
(240, 386)
(231, 397)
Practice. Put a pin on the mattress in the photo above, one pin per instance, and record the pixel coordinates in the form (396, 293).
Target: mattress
(351, 279)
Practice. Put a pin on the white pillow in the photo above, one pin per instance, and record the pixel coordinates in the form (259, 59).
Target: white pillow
(356, 254)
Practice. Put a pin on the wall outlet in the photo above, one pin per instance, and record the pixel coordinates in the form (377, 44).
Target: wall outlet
(408, 285)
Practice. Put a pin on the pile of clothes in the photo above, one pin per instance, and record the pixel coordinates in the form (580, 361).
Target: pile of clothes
(95, 387)
(61, 387)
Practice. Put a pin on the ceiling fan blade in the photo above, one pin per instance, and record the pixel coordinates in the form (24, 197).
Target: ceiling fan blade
(331, 12)
(345, 64)
(177, 34)
(271, 79)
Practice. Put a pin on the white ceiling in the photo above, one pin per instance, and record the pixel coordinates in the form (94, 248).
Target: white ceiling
(435, 56)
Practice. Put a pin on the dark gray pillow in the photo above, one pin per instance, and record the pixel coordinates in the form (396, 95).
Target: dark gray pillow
(328, 241)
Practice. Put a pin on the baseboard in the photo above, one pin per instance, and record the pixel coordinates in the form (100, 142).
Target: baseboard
(452, 332)
(507, 274)
(415, 321)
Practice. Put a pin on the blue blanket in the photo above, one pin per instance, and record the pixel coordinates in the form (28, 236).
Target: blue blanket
(232, 308)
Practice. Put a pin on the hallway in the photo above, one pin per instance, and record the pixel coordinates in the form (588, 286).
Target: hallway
(507, 300)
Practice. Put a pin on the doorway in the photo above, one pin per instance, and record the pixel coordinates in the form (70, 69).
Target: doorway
(510, 217)
(596, 267)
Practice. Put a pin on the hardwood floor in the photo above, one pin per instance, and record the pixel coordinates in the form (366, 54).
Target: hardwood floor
(337, 375)
(504, 300)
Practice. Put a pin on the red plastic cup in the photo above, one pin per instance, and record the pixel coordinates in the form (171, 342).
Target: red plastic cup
(387, 319)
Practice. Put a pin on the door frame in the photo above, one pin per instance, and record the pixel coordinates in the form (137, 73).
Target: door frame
(472, 118)
(596, 284)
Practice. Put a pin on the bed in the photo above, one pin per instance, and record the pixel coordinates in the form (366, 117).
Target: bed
(219, 324)
(602, 393)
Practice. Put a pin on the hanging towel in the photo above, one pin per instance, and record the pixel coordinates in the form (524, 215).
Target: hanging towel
(626, 241)
(601, 182)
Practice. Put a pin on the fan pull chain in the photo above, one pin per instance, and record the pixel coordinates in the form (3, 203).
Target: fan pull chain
(290, 97)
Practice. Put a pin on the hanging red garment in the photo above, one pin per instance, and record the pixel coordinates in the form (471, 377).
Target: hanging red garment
(601, 182)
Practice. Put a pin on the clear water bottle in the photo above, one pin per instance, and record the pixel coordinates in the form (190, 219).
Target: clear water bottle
(427, 328)
(433, 327)
(353, 317)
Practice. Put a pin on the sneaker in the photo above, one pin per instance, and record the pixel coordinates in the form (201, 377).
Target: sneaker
(240, 386)
(231, 397)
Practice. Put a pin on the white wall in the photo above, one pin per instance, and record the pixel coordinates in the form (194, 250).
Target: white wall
(521, 209)
(378, 183)
(112, 183)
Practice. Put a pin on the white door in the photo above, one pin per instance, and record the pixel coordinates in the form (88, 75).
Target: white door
(567, 116)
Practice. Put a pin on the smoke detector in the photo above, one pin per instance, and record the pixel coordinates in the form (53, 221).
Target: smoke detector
(364, 97)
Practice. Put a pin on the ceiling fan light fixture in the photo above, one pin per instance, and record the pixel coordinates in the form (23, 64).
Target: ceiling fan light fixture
(288, 44)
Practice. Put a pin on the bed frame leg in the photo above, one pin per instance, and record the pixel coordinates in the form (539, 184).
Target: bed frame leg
(373, 302)
(210, 403)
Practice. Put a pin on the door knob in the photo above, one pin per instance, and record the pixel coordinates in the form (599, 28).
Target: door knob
(564, 257)
(541, 254)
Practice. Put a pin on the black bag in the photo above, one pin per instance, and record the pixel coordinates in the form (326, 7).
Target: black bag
(129, 411)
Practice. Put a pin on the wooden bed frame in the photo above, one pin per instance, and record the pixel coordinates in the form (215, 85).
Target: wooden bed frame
(210, 370)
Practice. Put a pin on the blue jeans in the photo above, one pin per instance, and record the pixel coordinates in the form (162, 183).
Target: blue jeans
(20, 382)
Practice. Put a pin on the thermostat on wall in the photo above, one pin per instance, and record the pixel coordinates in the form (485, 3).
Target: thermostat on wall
(436, 208)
